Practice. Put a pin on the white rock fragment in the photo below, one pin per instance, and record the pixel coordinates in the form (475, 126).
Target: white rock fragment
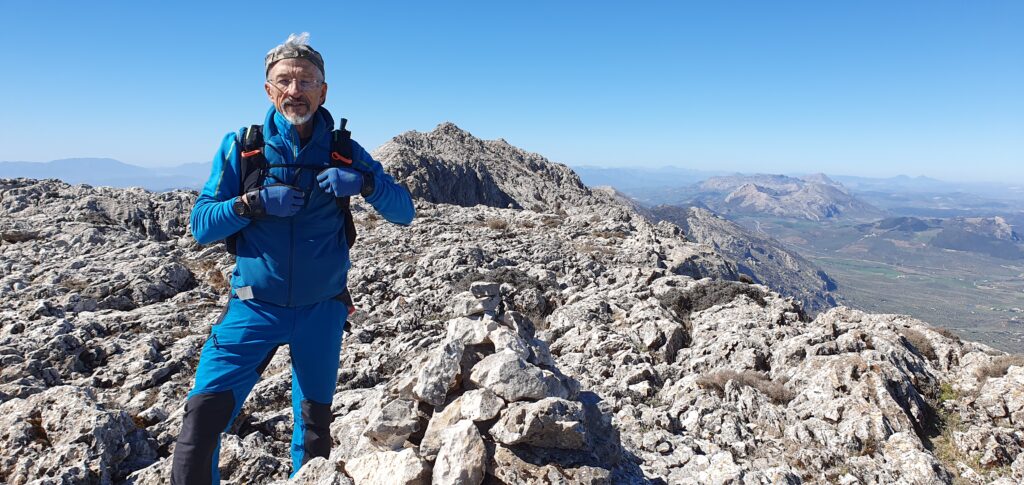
(437, 377)
(320, 471)
(462, 458)
(549, 423)
(481, 289)
(389, 467)
(440, 421)
(470, 331)
(481, 405)
(512, 378)
(393, 424)
(466, 305)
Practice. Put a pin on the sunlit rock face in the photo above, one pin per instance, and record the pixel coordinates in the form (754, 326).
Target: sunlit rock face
(562, 343)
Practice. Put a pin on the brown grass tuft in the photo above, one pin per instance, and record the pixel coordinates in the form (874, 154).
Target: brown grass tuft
(207, 270)
(999, 366)
(774, 390)
(497, 224)
(945, 332)
(920, 342)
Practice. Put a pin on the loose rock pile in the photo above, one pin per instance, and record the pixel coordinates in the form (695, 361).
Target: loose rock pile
(486, 400)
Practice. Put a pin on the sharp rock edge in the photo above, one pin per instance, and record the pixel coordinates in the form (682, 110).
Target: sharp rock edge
(567, 341)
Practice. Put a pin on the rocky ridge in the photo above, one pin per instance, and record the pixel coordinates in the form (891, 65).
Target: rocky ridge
(449, 165)
(571, 344)
(762, 259)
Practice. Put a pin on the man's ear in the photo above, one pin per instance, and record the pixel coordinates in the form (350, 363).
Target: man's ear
(270, 92)
(323, 94)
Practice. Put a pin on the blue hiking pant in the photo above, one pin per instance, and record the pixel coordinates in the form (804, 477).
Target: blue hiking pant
(239, 348)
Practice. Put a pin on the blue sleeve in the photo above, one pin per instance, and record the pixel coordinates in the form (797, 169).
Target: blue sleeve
(389, 198)
(212, 218)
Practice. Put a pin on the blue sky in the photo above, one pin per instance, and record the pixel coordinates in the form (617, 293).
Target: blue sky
(856, 88)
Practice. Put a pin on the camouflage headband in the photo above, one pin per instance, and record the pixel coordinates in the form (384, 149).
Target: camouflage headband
(295, 51)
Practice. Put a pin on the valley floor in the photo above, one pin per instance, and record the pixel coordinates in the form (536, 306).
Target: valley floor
(978, 297)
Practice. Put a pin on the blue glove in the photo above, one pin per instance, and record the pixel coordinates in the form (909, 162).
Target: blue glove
(340, 182)
(281, 200)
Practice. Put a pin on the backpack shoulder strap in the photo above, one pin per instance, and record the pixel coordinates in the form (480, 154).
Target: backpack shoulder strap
(252, 163)
(341, 156)
(341, 146)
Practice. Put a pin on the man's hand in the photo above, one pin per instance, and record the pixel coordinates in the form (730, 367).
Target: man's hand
(281, 200)
(340, 182)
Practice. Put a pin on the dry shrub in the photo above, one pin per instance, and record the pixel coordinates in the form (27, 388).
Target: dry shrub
(528, 224)
(999, 366)
(207, 269)
(497, 224)
(774, 390)
(74, 284)
(592, 249)
(552, 221)
(370, 221)
(709, 295)
(920, 343)
(945, 332)
(610, 234)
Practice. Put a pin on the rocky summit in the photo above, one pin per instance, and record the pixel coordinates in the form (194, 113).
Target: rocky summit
(563, 343)
(449, 165)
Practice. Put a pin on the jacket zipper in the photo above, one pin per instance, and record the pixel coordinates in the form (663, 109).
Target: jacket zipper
(291, 222)
(291, 256)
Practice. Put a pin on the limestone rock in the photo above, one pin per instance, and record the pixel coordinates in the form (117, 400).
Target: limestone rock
(437, 377)
(462, 458)
(510, 468)
(470, 331)
(66, 432)
(482, 289)
(550, 423)
(393, 424)
(397, 467)
(439, 422)
(512, 378)
(449, 165)
(481, 405)
(320, 471)
(466, 304)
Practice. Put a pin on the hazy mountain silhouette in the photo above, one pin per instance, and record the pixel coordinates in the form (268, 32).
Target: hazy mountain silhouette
(110, 172)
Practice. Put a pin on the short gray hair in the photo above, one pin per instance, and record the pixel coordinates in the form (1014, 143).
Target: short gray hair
(296, 47)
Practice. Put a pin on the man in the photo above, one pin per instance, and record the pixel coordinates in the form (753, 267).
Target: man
(292, 261)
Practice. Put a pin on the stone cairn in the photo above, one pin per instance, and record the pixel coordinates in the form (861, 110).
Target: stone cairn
(488, 400)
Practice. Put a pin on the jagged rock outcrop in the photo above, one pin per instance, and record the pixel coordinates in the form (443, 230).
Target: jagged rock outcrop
(449, 165)
(585, 345)
(763, 259)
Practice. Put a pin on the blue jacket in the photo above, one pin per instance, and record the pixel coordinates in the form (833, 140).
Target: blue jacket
(298, 260)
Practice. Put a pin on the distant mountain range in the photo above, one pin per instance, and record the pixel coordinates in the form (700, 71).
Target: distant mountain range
(642, 178)
(814, 197)
(991, 236)
(110, 172)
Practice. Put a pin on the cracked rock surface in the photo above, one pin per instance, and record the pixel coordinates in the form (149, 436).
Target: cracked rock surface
(577, 344)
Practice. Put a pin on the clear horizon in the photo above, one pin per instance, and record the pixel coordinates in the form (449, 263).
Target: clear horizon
(872, 89)
(649, 168)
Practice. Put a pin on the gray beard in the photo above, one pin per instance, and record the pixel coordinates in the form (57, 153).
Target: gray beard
(299, 120)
